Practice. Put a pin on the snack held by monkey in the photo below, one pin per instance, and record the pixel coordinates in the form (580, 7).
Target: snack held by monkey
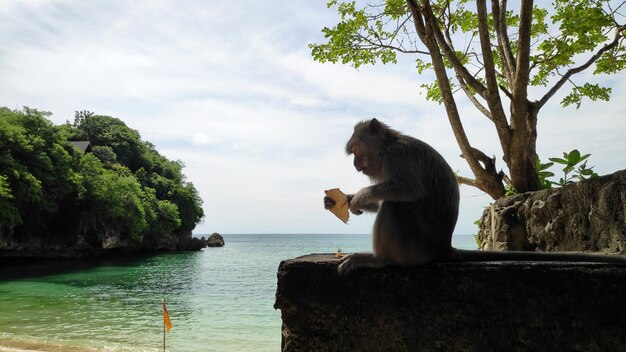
(340, 209)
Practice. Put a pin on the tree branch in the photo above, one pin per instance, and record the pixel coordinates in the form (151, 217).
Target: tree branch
(506, 92)
(520, 83)
(618, 35)
(459, 69)
(462, 180)
(418, 21)
(426, 26)
(493, 93)
(383, 42)
(470, 95)
(489, 163)
(504, 46)
(380, 44)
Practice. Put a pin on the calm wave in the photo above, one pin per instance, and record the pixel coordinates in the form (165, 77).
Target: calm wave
(219, 299)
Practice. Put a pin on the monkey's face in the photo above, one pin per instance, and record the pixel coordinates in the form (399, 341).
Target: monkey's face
(360, 158)
(366, 144)
(366, 157)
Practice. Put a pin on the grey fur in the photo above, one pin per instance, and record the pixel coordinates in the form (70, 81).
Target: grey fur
(416, 196)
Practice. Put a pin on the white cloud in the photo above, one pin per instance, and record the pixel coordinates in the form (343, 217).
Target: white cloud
(231, 90)
(201, 139)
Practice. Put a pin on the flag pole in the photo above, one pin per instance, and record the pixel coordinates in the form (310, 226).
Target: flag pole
(167, 323)
(164, 327)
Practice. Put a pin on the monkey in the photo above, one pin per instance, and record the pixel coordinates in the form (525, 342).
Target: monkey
(415, 194)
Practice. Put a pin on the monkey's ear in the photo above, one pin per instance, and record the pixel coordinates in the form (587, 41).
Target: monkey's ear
(376, 127)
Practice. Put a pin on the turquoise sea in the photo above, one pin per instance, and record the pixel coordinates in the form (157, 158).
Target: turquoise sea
(219, 299)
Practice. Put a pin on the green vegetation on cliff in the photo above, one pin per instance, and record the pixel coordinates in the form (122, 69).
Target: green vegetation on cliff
(54, 195)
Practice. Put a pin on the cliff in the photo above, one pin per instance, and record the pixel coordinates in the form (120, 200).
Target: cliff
(79, 245)
(499, 306)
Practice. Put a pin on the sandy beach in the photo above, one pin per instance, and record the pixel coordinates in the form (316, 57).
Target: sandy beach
(11, 345)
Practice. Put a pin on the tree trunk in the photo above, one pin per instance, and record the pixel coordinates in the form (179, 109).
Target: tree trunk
(523, 155)
(523, 152)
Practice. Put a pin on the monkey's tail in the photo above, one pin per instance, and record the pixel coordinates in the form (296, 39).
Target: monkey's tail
(461, 255)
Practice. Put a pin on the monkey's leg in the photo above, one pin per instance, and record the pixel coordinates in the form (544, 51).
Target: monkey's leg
(360, 260)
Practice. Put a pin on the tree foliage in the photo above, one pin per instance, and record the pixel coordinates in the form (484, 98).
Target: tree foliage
(51, 191)
(490, 56)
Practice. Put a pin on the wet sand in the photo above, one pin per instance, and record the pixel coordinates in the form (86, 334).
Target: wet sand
(11, 345)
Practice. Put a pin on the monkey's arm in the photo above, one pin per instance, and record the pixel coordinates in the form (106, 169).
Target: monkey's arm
(370, 197)
(329, 203)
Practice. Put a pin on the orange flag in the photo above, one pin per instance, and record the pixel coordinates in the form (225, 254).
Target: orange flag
(166, 317)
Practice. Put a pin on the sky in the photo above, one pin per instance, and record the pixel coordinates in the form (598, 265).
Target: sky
(231, 90)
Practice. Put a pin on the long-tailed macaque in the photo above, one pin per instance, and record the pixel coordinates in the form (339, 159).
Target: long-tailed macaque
(416, 195)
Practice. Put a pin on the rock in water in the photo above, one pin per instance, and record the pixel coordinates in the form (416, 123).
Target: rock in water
(215, 240)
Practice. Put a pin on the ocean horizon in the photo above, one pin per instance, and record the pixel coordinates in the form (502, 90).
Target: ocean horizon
(219, 299)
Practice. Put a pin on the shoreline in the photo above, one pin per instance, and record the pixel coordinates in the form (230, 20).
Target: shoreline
(15, 345)
(17, 257)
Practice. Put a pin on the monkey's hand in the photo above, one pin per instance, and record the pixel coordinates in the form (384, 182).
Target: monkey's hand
(328, 203)
(357, 202)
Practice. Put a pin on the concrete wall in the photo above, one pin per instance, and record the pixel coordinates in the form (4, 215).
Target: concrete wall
(523, 306)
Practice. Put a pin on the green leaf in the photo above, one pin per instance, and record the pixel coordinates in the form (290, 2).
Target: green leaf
(565, 34)
(586, 172)
(558, 160)
(546, 184)
(433, 93)
(591, 91)
(584, 157)
(545, 166)
(573, 157)
(5, 188)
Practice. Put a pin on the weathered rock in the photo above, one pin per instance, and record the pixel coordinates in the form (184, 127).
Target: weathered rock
(190, 244)
(83, 244)
(501, 306)
(6, 238)
(588, 216)
(115, 241)
(215, 240)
